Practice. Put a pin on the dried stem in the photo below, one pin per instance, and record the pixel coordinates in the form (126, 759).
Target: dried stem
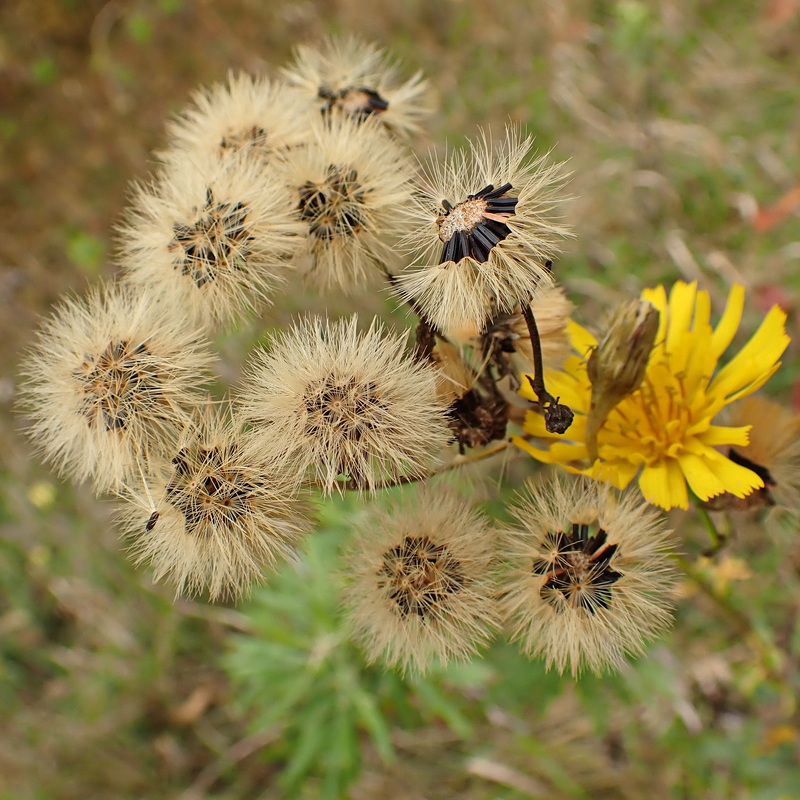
(557, 417)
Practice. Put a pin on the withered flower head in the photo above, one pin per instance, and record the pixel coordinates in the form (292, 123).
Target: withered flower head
(421, 580)
(214, 238)
(247, 115)
(112, 379)
(350, 78)
(349, 189)
(343, 403)
(483, 230)
(591, 579)
(211, 517)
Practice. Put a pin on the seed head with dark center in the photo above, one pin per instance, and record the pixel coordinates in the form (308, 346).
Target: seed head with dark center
(218, 241)
(346, 408)
(473, 227)
(577, 569)
(419, 577)
(117, 383)
(335, 206)
(208, 490)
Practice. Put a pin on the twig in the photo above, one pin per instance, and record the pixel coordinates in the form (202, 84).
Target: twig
(557, 417)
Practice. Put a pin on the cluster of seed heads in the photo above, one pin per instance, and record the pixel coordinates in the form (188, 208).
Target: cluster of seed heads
(310, 176)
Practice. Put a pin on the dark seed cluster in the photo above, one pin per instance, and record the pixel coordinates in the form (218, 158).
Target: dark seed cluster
(578, 569)
(119, 382)
(350, 408)
(357, 102)
(473, 227)
(335, 207)
(419, 577)
(218, 241)
(207, 489)
(255, 137)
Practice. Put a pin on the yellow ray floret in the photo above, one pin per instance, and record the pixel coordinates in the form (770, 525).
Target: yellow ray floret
(664, 431)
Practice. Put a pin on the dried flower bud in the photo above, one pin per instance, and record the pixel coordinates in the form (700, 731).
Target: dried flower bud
(617, 366)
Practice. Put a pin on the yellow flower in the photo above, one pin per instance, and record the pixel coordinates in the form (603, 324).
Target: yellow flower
(664, 431)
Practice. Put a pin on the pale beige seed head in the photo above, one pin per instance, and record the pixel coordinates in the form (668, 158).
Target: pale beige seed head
(421, 580)
(248, 114)
(335, 402)
(212, 237)
(591, 580)
(350, 187)
(484, 223)
(112, 379)
(211, 518)
(344, 76)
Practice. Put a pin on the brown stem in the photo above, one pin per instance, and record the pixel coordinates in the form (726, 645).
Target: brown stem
(557, 417)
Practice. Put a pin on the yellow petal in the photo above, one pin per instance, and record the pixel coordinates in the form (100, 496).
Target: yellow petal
(581, 340)
(729, 323)
(663, 485)
(702, 310)
(749, 366)
(558, 453)
(681, 312)
(720, 434)
(738, 480)
(704, 482)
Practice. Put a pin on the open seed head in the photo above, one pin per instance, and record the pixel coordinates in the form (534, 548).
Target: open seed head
(484, 224)
(339, 403)
(591, 578)
(211, 517)
(248, 114)
(212, 237)
(350, 187)
(344, 76)
(421, 580)
(111, 380)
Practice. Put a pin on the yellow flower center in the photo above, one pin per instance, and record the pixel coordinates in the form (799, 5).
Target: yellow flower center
(654, 422)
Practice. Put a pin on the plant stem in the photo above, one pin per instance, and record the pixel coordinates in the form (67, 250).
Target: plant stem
(557, 417)
(458, 461)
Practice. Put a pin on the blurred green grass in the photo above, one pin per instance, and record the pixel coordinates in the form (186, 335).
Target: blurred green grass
(680, 121)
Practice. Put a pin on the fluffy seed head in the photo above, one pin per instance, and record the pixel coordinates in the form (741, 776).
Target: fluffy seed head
(483, 228)
(421, 582)
(343, 403)
(210, 518)
(348, 77)
(591, 579)
(211, 237)
(350, 187)
(111, 379)
(246, 115)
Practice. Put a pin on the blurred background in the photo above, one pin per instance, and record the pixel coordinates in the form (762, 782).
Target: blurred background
(680, 121)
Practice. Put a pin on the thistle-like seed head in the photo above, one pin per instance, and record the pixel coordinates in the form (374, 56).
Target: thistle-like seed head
(214, 237)
(346, 77)
(343, 404)
(247, 115)
(483, 230)
(591, 579)
(215, 517)
(350, 188)
(112, 379)
(421, 581)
